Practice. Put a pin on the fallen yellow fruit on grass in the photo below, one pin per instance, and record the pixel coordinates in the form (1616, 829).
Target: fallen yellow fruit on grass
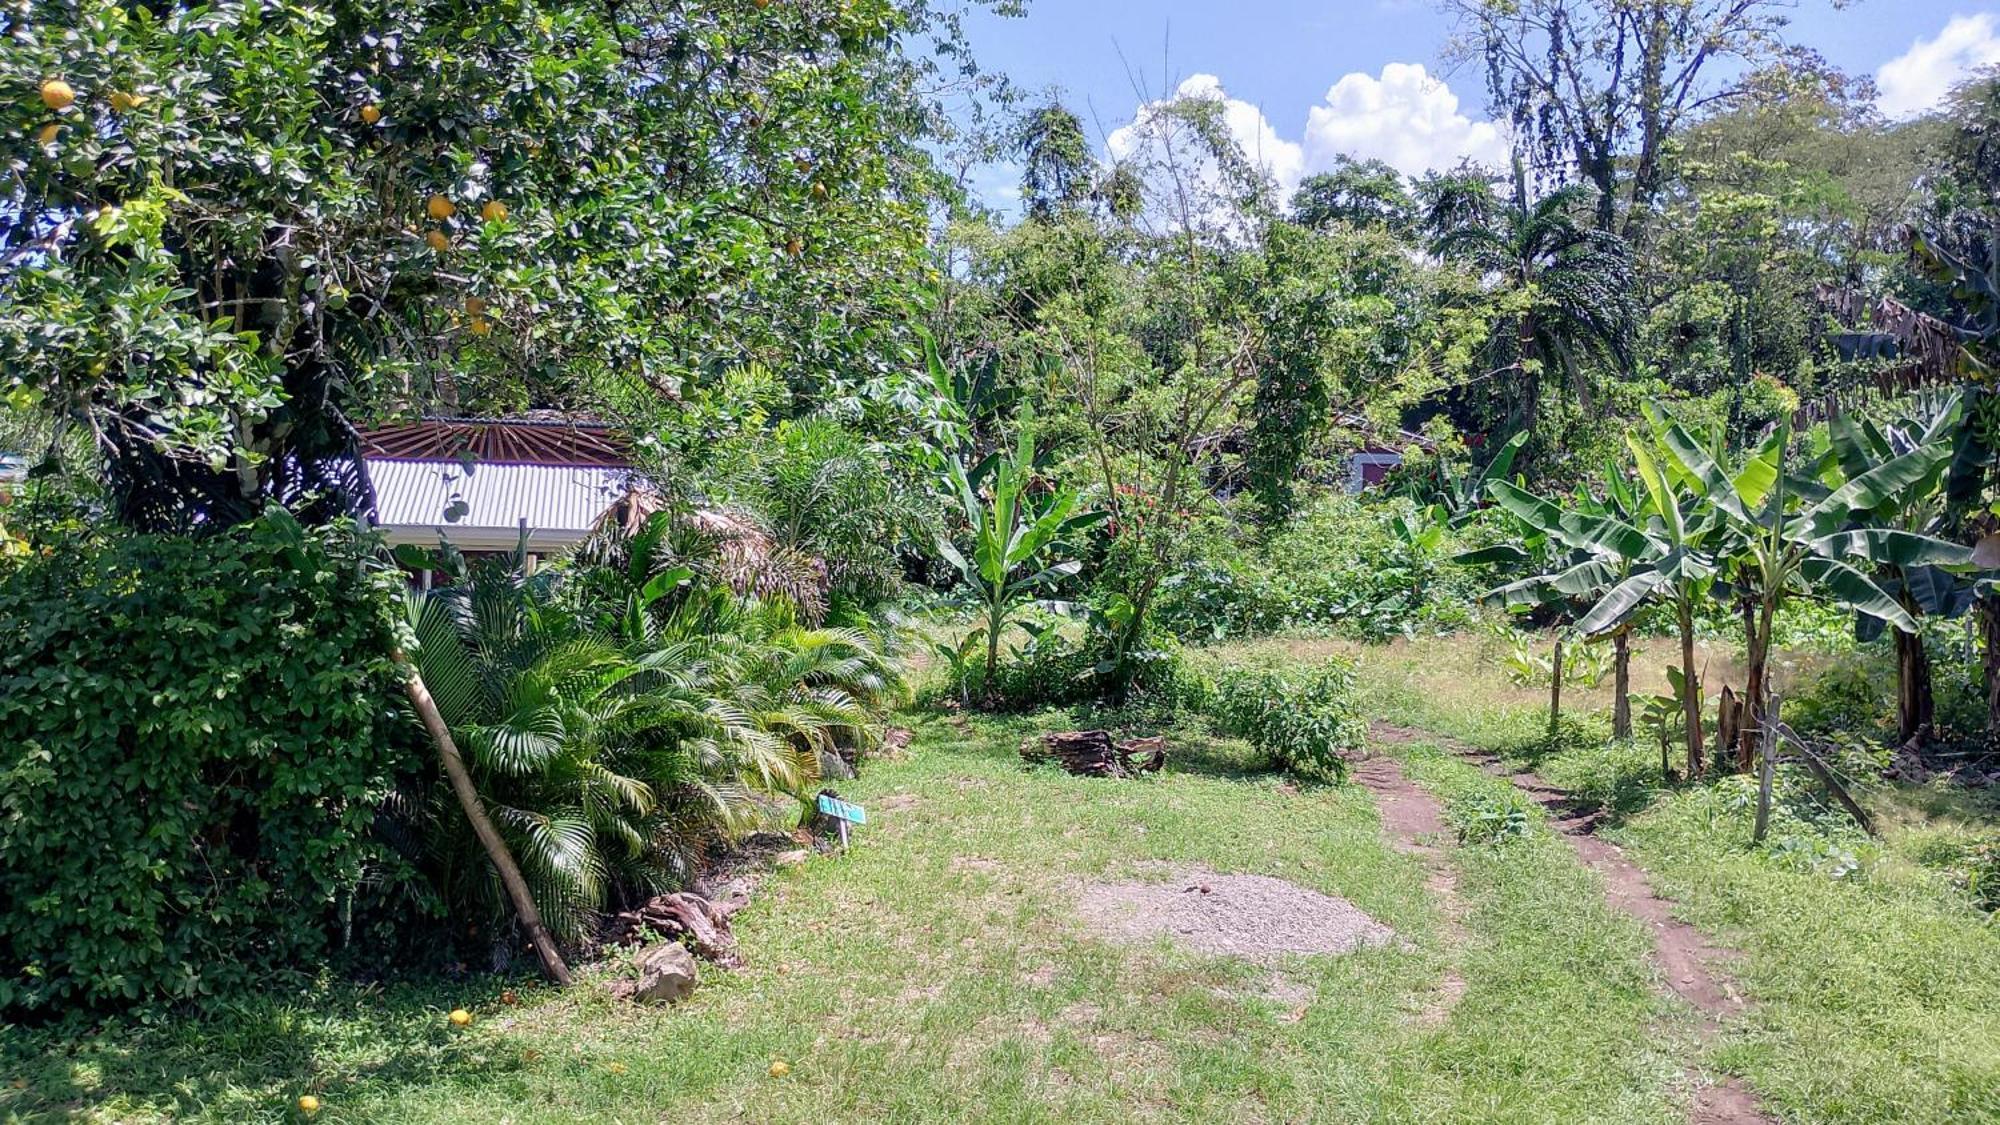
(308, 1104)
(780, 1068)
(57, 94)
(460, 1018)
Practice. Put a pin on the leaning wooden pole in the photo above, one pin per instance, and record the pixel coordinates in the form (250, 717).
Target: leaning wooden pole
(482, 825)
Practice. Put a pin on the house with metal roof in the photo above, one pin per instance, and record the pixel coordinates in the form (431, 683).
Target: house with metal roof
(478, 483)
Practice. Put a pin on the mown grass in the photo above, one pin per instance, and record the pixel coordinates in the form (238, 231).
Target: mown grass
(937, 973)
(1876, 984)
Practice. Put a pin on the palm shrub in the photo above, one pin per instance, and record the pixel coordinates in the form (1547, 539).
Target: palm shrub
(617, 724)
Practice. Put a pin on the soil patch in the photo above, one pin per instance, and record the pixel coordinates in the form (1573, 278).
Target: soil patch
(1254, 917)
(1412, 819)
(1684, 955)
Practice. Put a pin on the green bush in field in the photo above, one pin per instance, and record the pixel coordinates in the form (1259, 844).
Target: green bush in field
(194, 738)
(1489, 819)
(1305, 718)
(1350, 565)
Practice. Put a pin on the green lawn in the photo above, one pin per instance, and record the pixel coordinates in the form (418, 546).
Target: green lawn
(937, 973)
(1876, 989)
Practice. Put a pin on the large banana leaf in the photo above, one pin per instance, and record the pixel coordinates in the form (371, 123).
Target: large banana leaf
(1885, 484)
(1855, 590)
(1885, 546)
(1693, 458)
(1617, 607)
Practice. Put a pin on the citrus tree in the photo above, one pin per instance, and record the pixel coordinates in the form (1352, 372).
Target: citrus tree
(229, 225)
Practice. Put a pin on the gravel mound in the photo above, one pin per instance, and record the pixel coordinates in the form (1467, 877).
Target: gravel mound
(1250, 916)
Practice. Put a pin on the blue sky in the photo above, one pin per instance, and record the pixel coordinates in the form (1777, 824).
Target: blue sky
(1281, 59)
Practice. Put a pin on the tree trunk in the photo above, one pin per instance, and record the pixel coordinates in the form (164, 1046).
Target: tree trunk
(1556, 689)
(1756, 692)
(482, 825)
(1989, 627)
(1690, 691)
(1915, 706)
(1621, 684)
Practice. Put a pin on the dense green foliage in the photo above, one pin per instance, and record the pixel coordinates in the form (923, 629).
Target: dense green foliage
(1367, 571)
(198, 736)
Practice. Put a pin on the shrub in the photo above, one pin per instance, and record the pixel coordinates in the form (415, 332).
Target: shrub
(194, 736)
(1304, 718)
(1362, 568)
(1488, 819)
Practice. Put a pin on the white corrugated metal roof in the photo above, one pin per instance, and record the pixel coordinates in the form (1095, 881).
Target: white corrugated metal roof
(560, 503)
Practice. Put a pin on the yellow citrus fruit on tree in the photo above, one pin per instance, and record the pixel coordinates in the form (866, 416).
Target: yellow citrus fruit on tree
(370, 114)
(125, 102)
(57, 95)
(795, 247)
(47, 136)
(819, 191)
(308, 1104)
(802, 164)
(780, 1068)
(438, 241)
(440, 208)
(494, 211)
(460, 1018)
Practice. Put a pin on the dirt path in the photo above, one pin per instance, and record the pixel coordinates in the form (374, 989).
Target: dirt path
(1686, 958)
(1412, 818)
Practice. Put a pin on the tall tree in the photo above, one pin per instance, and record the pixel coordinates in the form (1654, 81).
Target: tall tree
(1601, 86)
(1362, 193)
(1562, 289)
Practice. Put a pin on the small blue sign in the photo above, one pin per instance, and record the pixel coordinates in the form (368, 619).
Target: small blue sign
(842, 810)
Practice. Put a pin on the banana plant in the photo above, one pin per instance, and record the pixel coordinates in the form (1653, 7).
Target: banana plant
(1015, 528)
(1781, 537)
(1856, 447)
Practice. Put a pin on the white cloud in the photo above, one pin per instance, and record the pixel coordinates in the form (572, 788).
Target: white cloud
(1405, 117)
(1283, 160)
(1920, 77)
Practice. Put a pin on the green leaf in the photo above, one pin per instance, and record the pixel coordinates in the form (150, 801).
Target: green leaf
(1624, 600)
(1855, 590)
(1892, 547)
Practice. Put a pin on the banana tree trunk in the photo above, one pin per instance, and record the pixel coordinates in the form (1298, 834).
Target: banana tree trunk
(1690, 690)
(482, 825)
(1621, 684)
(1915, 707)
(1756, 692)
(1556, 689)
(1989, 628)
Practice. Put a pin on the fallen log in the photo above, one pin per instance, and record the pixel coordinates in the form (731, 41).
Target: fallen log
(1093, 753)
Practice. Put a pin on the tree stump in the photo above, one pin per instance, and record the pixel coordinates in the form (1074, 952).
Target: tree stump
(683, 917)
(1092, 753)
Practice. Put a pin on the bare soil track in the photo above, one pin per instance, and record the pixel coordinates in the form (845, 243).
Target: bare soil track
(1687, 960)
